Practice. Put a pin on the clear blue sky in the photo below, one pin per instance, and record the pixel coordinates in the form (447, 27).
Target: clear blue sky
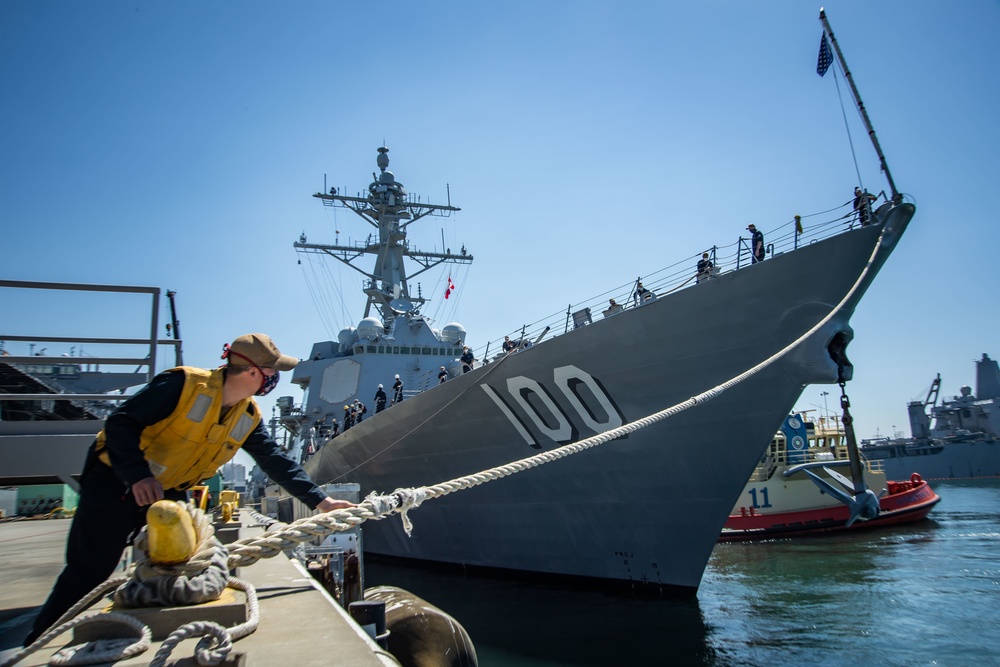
(177, 145)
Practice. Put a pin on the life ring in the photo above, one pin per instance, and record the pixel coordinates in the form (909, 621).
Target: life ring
(916, 478)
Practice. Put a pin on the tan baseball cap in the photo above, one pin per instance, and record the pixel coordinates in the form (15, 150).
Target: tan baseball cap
(261, 350)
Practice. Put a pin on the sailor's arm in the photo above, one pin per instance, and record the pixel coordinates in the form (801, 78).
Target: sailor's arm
(286, 473)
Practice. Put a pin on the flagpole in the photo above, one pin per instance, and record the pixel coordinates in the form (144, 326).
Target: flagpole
(859, 103)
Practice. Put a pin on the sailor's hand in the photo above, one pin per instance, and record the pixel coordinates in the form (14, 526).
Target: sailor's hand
(147, 491)
(330, 504)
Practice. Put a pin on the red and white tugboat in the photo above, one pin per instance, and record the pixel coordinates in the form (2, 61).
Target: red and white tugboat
(798, 488)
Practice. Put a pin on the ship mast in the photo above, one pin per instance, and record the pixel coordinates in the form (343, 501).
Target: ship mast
(828, 31)
(389, 209)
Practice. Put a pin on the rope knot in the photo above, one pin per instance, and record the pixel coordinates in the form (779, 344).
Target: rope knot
(405, 500)
(382, 505)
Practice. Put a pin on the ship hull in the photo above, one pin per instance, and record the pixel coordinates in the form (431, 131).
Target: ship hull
(938, 460)
(647, 508)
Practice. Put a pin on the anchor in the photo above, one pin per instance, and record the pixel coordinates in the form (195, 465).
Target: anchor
(862, 502)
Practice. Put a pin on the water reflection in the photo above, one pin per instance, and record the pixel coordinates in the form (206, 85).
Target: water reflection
(525, 624)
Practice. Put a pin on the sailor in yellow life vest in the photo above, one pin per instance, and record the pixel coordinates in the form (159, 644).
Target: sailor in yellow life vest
(174, 433)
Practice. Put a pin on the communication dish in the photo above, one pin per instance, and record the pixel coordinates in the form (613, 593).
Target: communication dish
(400, 305)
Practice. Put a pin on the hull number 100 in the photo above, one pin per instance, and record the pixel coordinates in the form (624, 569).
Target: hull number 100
(536, 411)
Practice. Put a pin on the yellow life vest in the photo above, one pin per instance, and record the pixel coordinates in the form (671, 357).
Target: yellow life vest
(192, 443)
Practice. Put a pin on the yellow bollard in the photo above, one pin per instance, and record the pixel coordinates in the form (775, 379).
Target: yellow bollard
(170, 533)
(229, 501)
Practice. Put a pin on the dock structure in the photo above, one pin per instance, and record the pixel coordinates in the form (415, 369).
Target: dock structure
(300, 624)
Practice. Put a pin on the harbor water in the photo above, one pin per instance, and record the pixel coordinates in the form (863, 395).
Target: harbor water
(920, 594)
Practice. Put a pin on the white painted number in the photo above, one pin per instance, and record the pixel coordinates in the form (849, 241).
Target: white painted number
(532, 398)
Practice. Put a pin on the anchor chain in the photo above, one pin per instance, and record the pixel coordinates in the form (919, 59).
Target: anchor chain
(865, 505)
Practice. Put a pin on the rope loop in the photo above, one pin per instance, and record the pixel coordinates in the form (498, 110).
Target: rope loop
(213, 647)
(101, 650)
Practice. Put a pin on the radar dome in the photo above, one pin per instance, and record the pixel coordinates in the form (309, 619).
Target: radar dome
(346, 337)
(453, 333)
(370, 328)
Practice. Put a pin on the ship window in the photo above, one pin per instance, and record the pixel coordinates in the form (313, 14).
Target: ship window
(359, 350)
(437, 352)
(395, 350)
(967, 414)
(371, 349)
(405, 350)
(381, 349)
(427, 350)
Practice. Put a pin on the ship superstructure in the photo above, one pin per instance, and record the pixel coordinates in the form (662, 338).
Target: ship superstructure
(393, 340)
(960, 438)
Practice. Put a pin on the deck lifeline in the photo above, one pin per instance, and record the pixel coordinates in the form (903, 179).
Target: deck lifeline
(299, 624)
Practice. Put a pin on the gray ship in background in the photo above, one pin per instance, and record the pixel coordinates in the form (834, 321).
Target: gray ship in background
(962, 442)
(644, 509)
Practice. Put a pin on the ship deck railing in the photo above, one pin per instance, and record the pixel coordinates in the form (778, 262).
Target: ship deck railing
(776, 456)
(784, 238)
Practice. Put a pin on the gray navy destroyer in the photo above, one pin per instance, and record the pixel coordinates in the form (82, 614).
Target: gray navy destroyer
(646, 508)
(962, 441)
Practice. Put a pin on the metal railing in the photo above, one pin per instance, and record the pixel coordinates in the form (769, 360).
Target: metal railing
(34, 362)
(787, 237)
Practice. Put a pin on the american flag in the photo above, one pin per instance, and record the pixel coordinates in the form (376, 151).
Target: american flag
(825, 56)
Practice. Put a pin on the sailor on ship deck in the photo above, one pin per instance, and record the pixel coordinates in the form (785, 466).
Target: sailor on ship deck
(704, 268)
(863, 204)
(467, 359)
(756, 244)
(642, 294)
(397, 390)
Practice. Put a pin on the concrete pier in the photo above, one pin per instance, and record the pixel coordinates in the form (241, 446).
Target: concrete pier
(299, 623)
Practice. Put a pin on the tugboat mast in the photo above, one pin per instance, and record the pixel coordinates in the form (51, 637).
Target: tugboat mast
(389, 210)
